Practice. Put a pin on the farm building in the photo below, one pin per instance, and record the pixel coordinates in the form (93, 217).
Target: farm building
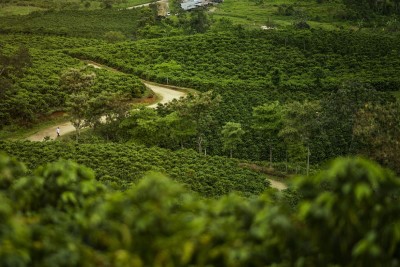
(192, 4)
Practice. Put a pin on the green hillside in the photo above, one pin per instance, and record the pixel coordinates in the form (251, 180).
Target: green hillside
(77, 23)
(303, 93)
(60, 215)
(121, 165)
(36, 91)
(249, 70)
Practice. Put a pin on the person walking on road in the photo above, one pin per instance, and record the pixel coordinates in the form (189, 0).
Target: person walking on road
(58, 131)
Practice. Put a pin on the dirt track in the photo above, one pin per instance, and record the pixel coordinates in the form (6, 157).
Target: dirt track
(165, 93)
(277, 185)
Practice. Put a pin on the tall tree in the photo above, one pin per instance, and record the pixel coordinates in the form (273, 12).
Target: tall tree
(106, 110)
(77, 83)
(232, 134)
(267, 120)
(198, 109)
(180, 129)
(142, 126)
(339, 113)
(78, 104)
(377, 128)
(199, 21)
(299, 123)
(76, 80)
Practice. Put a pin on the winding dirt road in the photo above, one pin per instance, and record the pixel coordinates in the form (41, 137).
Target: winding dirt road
(165, 93)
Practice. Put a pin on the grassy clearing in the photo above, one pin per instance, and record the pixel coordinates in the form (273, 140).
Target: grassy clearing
(18, 10)
(248, 12)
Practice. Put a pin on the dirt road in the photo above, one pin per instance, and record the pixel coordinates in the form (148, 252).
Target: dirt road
(166, 95)
(277, 185)
(51, 132)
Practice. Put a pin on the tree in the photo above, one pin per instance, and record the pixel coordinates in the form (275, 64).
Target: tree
(199, 21)
(180, 128)
(106, 110)
(198, 108)
(168, 68)
(299, 122)
(232, 133)
(195, 110)
(77, 107)
(339, 114)
(114, 36)
(267, 120)
(377, 128)
(107, 3)
(77, 83)
(145, 126)
(356, 204)
(76, 80)
(301, 19)
(223, 25)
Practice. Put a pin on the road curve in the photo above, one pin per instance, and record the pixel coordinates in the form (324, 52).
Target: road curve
(165, 93)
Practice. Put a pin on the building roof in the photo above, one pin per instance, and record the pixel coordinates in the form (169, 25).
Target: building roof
(187, 5)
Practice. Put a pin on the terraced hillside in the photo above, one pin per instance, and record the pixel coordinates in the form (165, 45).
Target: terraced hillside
(120, 165)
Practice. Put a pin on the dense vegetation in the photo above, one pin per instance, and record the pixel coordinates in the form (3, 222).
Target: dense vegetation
(35, 87)
(60, 215)
(292, 97)
(340, 71)
(311, 62)
(23, 7)
(248, 69)
(120, 165)
(369, 9)
(79, 23)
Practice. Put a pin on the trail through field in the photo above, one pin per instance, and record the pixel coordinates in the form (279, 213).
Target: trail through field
(165, 94)
(52, 132)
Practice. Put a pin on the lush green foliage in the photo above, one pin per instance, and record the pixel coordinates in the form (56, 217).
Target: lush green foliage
(35, 5)
(249, 69)
(123, 164)
(24, 7)
(79, 23)
(283, 93)
(367, 9)
(232, 133)
(37, 91)
(308, 61)
(59, 215)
